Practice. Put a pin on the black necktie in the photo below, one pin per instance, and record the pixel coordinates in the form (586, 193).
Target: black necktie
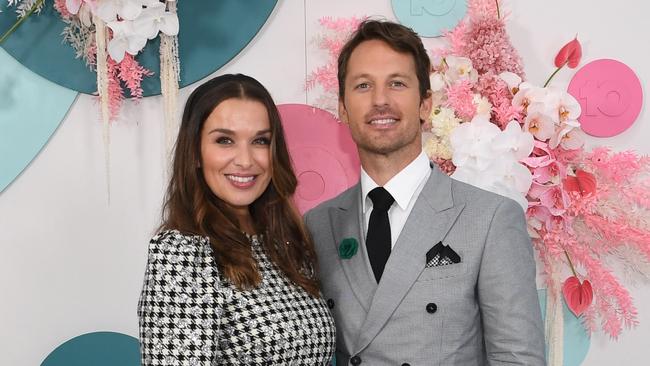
(378, 238)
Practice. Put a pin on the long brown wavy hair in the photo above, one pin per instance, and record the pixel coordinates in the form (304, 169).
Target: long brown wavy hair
(191, 207)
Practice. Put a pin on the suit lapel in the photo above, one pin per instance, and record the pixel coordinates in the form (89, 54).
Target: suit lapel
(430, 219)
(345, 221)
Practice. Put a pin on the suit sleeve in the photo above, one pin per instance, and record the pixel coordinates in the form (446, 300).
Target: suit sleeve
(176, 311)
(507, 292)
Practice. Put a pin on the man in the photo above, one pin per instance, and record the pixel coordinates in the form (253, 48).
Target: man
(418, 269)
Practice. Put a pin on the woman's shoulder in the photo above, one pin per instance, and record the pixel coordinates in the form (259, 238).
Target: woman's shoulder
(175, 242)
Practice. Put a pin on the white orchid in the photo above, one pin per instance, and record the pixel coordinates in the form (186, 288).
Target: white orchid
(155, 19)
(506, 177)
(569, 136)
(527, 95)
(130, 35)
(108, 10)
(562, 105)
(460, 68)
(125, 39)
(471, 143)
(512, 80)
(487, 157)
(514, 142)
(539, 124)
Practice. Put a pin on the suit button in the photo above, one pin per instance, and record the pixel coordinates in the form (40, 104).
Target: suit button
(406, 364)
(432, 308)
(330, 303)
(356, 360)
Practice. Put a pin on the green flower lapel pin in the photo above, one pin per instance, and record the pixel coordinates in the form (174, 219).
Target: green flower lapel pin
(348, 248)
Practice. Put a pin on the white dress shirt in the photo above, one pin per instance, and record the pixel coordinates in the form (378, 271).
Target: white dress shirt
(405, 187)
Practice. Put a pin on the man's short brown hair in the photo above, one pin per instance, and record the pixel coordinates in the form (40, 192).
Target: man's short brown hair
(399, 38)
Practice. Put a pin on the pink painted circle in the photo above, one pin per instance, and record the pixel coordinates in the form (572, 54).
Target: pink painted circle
(610, 95)
(323, 153)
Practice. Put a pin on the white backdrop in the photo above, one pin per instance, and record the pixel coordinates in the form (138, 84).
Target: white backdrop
(72, 263)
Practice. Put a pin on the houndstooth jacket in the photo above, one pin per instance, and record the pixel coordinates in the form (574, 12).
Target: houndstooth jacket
(191, 315)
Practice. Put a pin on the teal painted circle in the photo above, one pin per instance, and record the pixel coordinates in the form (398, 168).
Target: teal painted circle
(576, 339)
(97, 349)
(429, 18)
(31, 108)
(211, 34)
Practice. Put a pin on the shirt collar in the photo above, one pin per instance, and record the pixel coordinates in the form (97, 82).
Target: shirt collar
(402, 186)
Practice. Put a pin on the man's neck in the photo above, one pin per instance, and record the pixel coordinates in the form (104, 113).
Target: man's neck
(382, 167)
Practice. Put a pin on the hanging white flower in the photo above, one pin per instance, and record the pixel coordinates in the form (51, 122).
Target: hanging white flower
(125, 39)
(108, 10)
(131, 35)
(155, 19)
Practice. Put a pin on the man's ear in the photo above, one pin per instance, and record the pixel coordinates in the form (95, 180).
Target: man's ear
(343, 112)
(425, 106)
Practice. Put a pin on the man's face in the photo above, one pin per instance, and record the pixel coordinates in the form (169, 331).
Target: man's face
(382, 102)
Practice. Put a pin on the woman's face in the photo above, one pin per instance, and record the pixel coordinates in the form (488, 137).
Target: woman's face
(235, 152)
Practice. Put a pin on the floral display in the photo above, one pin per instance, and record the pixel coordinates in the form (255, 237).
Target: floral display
(588, 210)
(107, 35)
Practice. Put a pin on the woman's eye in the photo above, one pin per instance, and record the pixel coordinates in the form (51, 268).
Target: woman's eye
(224, 140)
(262, 141)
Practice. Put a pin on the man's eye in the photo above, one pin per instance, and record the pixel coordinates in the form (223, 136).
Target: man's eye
(397, 83)
(224, 140)
(362, 86)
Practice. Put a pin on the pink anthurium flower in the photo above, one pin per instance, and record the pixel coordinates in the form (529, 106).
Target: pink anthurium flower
(583, 183)
(578, 296)
(570, 54)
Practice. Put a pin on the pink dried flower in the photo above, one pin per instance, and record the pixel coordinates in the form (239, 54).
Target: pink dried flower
(477, 9)
(461, 99)
(488, 46)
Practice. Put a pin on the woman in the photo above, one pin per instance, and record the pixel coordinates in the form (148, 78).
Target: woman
(230, 277)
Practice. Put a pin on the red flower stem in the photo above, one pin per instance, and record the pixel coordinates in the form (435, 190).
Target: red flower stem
(571, 264)
(498, 12)
(553, 74)
(21, 20)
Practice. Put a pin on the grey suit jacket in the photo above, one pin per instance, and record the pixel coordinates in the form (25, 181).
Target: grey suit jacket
(481, 311)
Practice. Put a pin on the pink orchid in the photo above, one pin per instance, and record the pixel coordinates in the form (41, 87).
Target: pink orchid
(537, 216)
(556, 199)
(553, 197)
(550, 173)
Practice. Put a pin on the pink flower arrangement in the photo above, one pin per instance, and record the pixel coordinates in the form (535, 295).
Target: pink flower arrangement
(583, 206)
(127, 72)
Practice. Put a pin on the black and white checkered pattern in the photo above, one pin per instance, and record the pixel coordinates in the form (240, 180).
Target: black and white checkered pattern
(190, 315)
(437, 261)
